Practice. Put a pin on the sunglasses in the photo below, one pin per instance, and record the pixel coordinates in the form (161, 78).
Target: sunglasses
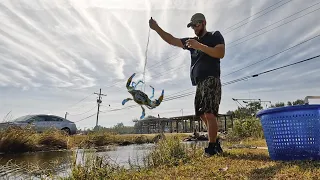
(197, 24)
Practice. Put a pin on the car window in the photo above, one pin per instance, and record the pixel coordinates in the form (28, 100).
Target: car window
(37, 119)
(52, 118)
(22, 118)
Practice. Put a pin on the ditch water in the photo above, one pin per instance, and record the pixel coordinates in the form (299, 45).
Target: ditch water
(58, 163)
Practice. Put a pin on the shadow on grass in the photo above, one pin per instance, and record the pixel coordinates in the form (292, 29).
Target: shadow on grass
(271, 171)
(247, 156)
(265, 173)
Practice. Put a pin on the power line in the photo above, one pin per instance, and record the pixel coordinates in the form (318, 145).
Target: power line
(274, 55)
(153, 66)
(252, 15)
(276, 22)
(258, 17)
(81, 100)
(226, 28)
(165, 61)
(233, 81)
(86, 117)
(275, 28)
(83, 112)
(309, 59)
(245, 78)
(247, 39)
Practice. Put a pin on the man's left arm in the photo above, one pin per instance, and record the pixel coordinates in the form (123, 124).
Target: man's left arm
(218, 51)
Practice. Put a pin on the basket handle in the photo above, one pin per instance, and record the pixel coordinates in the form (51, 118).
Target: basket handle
(306, 99)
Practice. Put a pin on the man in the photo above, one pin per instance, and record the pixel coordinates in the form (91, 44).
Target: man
(206, 50)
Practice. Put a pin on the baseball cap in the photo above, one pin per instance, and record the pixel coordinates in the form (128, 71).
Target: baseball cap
(196, 18)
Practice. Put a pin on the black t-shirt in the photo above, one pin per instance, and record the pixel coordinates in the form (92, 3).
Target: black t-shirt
(203, 65)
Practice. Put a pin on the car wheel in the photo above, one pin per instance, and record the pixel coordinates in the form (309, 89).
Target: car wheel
(66, 130)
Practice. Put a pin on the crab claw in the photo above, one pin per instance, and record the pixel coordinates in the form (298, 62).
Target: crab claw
(126, 100)
(158, 101)
(129, 80)
(161, 97)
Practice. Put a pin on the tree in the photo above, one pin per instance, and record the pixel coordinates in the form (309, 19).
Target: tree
(278, 104)
(249, 110)
(118, 125)
(254, 107)
(298, 102)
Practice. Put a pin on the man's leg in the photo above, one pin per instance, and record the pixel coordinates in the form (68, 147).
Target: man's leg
(204, 119)
(212, 126)
(211, 89)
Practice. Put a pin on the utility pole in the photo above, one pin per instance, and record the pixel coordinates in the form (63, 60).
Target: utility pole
(99, 101)
(65, 116)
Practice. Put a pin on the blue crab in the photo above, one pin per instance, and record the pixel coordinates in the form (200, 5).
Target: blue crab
(140, 97)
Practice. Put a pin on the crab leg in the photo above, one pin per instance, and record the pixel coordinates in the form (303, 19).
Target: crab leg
(152, 92)
(138, 83)
(143, 113)
(126, 100)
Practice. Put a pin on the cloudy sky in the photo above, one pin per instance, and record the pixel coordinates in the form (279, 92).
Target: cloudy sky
(55, 54)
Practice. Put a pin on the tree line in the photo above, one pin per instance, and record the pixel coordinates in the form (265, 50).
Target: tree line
(252, 108)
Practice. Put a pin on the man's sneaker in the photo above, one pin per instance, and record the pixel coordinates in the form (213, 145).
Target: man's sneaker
(218, 146)
(210, 151)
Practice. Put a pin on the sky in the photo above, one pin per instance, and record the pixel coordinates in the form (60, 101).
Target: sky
(54, 55)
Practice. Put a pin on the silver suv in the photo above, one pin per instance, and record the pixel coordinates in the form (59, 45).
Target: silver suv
(42, 122)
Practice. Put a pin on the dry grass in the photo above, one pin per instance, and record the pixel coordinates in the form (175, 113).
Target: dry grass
(103, 138)
(240, 163)
(246, 142)
(17, 140)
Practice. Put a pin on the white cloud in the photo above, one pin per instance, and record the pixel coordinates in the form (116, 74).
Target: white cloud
(54, 53)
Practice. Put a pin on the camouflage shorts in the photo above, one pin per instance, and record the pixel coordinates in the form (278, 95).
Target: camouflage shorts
(208, 96)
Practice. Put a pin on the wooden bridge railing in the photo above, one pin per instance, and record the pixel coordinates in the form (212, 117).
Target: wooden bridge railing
(184, 124)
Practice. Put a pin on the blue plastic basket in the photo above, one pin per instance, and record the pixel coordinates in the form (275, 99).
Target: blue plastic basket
(292, 132)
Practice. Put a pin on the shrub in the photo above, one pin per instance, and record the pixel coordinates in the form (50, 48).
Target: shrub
(99, 139)
(168, 152)
(54, 139)
(246, 128)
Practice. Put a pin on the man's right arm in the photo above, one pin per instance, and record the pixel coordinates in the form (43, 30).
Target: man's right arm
(169, 38)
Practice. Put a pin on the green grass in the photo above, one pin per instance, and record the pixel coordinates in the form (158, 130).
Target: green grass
(170, 160)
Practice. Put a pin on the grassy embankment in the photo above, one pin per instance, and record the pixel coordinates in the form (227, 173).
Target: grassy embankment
(170, 159)
(17, 140)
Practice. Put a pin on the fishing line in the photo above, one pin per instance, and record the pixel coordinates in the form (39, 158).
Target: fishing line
(145, 63)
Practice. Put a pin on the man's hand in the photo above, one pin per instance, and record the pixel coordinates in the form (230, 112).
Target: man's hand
(217, 51)
(194, 44)
(153, 24)
(164, 35)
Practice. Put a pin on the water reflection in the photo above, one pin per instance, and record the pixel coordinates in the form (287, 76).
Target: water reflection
(58, 163)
